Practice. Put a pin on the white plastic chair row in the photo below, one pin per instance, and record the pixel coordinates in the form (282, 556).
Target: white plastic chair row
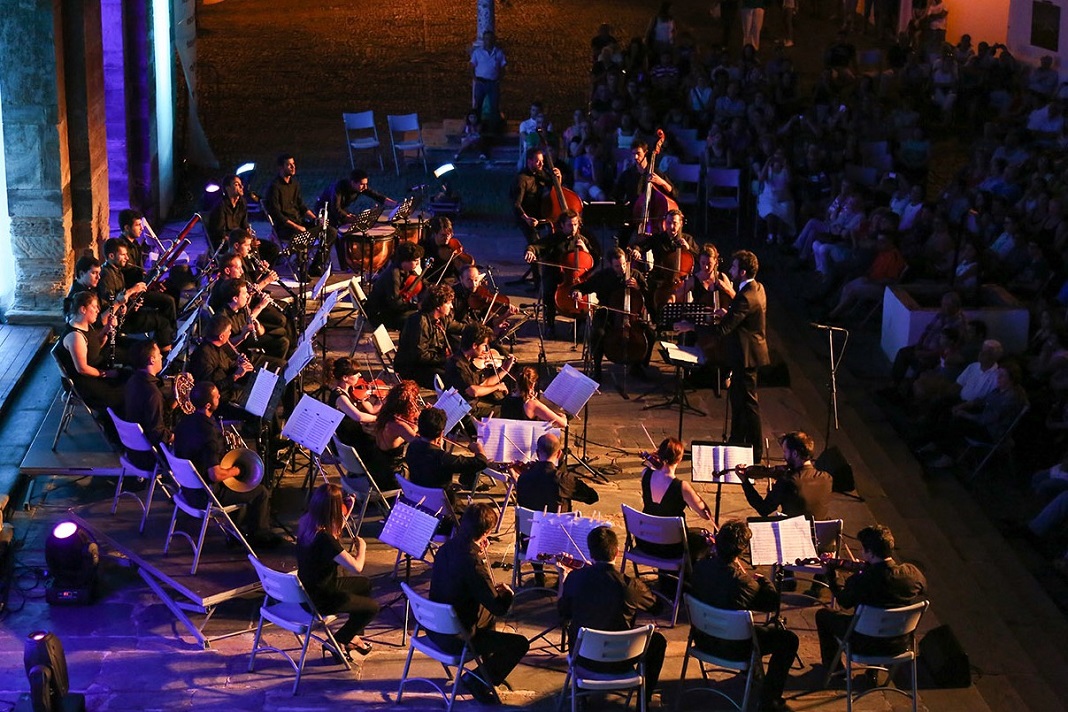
(405, 135)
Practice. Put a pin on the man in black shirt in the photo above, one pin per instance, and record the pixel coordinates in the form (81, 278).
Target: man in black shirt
(214, 361)
(464, 371)
(799, 490)
(131, 228)
(882, 582)
(630, 183)
(600, 596)
(237, 307)
(230, 214)
(546, 486)
(285, 202)
(144, 400)
(393, 297)
(156, 313)
(424, 340)
(722, 581)
(430, 466)
(199, 439)
(86, 278)
(566, 238)
(337, 198)
(529, 191)
(462, 579)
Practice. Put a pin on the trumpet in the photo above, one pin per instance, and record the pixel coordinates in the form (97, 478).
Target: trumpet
(244, 459)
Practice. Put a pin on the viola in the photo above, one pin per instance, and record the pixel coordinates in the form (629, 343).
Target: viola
(831, 562)
(654, 205)
(577, 266)
(495, 305)
(651, 460)
(566, 561)
(413, 285)
(453, 251)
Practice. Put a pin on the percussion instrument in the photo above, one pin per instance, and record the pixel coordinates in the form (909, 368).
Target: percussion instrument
(244, 459)
(371, 250)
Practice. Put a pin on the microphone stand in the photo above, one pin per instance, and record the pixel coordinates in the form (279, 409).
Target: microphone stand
(835, 360)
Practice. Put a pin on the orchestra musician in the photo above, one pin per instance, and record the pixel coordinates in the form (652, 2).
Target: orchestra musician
(608, 284)
(86, 279)
(799, 488)
(663, 244)
(430, 466)
(882, 582)
(602, 597)
(255, 269)
(320, 559)
(546, 485)
(722, 581)
(216, 361)
(199, 439)
(84, 358)
(471, 371)
(424, 340)
(393, 430)
(251, 334)
(565, 238)
(435, 244)
(287, 210)
(461, 578)
(144, 402)
(475, 302)
(270, 317)
(393, 297)
(360, 413)
(230, 214)
(529, 191)
(630, 183)
(338, 197)
(131, 227)
(156, 313)
(743, 325)
(707, 285)
(523, 403)
(665, 495)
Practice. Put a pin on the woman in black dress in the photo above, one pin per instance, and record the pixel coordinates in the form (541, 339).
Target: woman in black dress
(664, 495)
(319, 554)
(360, 413)
(84, 355)
(523, 404)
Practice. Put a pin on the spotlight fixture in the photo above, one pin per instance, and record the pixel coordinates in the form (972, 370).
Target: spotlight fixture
(46, 670)
(72, 556)
(443, 169)
(245, 168)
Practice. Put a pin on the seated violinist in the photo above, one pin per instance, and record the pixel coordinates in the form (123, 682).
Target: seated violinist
(546, 485)
(430, 466)
(707, 285)
(610, 285)
(474, 298)
(445, 250)
(523, 404)
(424, 338)
(559, 248)
(799, 489)
(395, 291)
(360, 406)
(393, 430)
(467, 369)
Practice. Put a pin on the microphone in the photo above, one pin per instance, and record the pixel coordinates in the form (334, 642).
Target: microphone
(826, 327)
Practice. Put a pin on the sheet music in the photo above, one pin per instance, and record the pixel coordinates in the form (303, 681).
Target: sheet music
(302, 356)
(179, 346)
(409, 529)
(571, 389)
(312, 424)
(259, 397)
(711, 460)
(509, 441)
(781, 541)
(318, 289)
(553, 534)
(687, 355)
(322, 314)
(184, 326)
(455, 407)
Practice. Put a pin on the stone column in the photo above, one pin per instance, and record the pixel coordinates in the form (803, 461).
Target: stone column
(487, 19)
(38, 166)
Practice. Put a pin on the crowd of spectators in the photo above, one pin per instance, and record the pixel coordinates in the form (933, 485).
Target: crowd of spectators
(838, 175)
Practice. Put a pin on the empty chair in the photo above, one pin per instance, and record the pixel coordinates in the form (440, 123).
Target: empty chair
(730, 627)
(872, 622)
(401, 128)
(361, 134)
(607, 649)
(687, 180)
(723, 192)
(138, 459)
(666, 531)
(288, 606)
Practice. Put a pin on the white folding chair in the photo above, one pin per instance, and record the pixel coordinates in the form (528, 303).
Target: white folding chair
(135, 445)
(187, 478)
(438, 618)
(606, 647)
(357, 481)
(386, 350)
(661, 531)
(405, 125)
(288, 606)
(361, 134)
(687, 180)
(723, 191)
(880, 623)
(735, 626)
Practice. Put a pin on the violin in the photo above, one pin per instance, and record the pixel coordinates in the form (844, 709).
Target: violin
(412, 285)
(566, 561)
(651, 460)
(453, 251)
(364, 389)
(832, 562)
(496, 306)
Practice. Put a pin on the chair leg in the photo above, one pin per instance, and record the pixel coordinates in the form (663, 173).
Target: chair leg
(303, 655)
(118, 492)
(849, 682)
(170, 530)
(404, 675)
(200, 543)
(678, 598)
(148, 502)
(255, 646)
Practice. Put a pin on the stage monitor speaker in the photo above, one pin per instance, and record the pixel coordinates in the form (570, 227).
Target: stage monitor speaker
(834, 463)
(944, 659)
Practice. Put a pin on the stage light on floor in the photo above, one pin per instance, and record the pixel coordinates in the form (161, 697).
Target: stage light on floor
(46, 670)
(72, 556)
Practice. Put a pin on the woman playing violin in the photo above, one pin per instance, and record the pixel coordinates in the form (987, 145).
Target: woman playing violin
(665, 495)
(393, 296)
(523, 404)
(555, 249)
(394, 429)
(447, 252)
(360, 405)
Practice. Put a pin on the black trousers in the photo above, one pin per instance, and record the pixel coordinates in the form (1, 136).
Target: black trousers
(353, 596)
(780, 644)
(745, 416)
(500, 652)
(156, 314)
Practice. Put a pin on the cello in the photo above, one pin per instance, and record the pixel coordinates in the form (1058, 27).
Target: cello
(625, 342)
(654, 205)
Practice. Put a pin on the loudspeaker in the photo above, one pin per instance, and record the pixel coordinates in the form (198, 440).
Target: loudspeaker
(943, 657)
(833, 462)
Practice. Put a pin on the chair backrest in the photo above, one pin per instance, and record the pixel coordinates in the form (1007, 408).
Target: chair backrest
(403, 122)
(524, 520)
(612, 646)
(61, 356)
(383, 343)
(361, 120)
(131, 435)
(693, 151)
(827, 535)
(349, 458)
(183, 471)
(686, 173)
(655, 530)
(432, 498)
(282, 587)
(439, 385)
(723, 178)
(719, 623)
(684, 135)
(888, 622)
(436, 617)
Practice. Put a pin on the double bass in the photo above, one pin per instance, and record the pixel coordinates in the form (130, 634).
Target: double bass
(654, 205)
(559, 199)
(625, 339)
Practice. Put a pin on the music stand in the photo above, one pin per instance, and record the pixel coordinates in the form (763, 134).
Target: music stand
(683, 358)
(777, 541)
(572, 390)
(714, 463)
(311, 426)
(409, 529)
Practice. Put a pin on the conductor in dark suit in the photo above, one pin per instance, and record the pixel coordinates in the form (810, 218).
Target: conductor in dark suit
(743, 324)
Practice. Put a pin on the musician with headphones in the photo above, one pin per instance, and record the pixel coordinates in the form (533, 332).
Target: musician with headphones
(199, 439)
